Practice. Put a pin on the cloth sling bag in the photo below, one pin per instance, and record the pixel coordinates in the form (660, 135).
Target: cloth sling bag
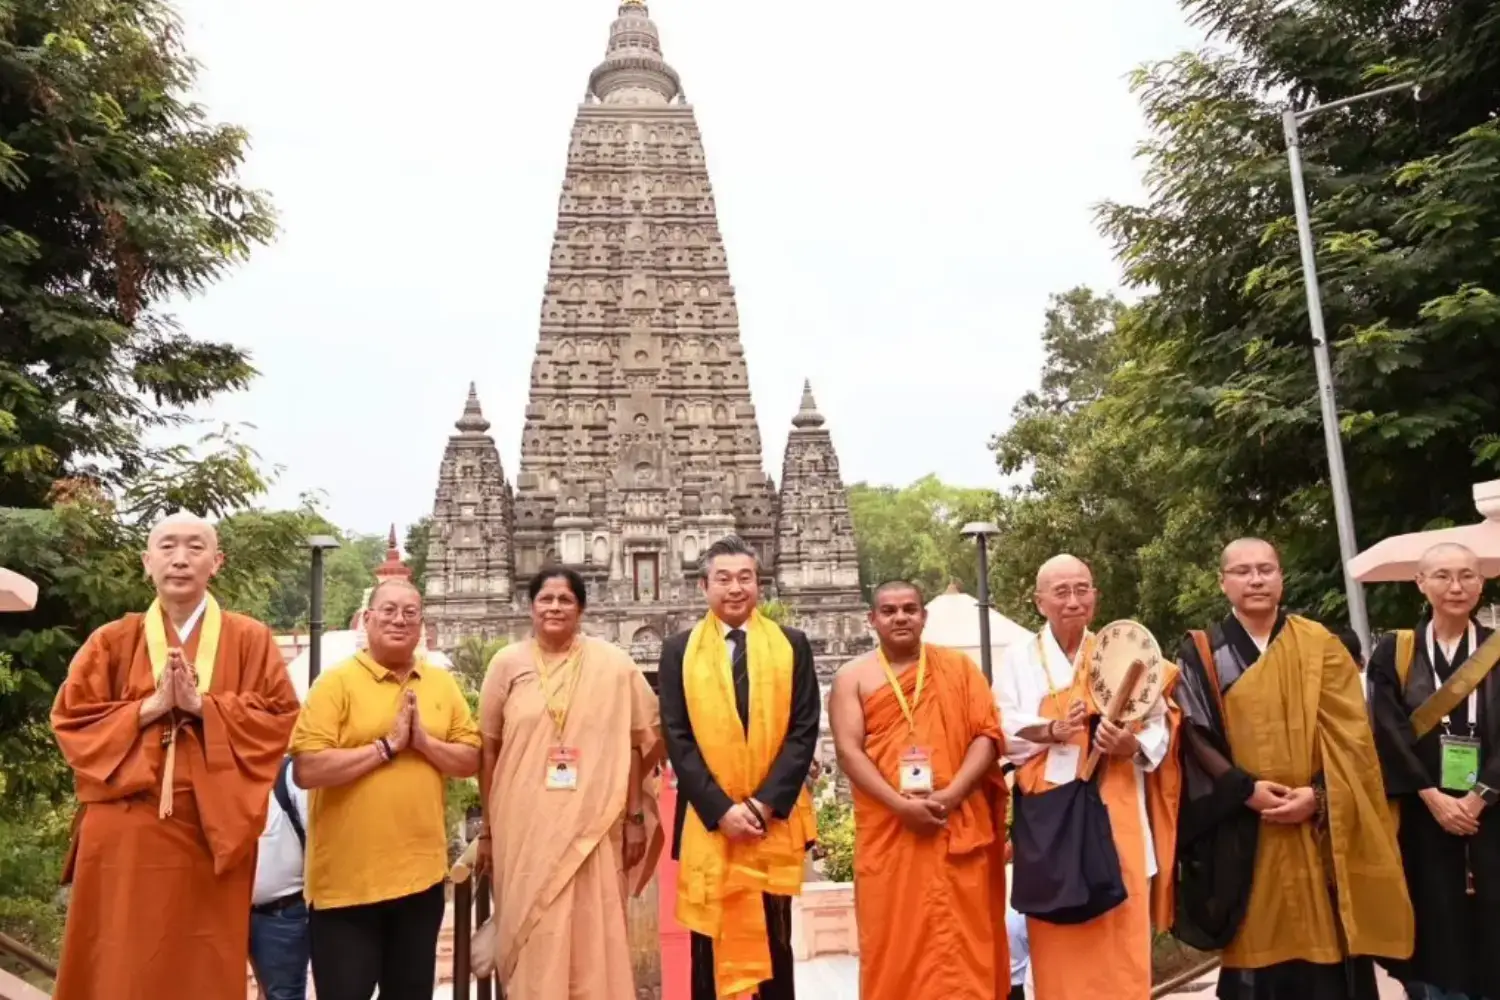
(284, 800)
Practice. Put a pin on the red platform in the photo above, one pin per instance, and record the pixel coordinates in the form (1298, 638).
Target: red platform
(676, 953)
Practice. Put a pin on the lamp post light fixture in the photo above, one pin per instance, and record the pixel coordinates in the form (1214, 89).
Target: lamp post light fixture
(981, 532)
(318, 544)
(1338, 481)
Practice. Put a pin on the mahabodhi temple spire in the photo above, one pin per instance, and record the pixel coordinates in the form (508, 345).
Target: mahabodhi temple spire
(640, 444)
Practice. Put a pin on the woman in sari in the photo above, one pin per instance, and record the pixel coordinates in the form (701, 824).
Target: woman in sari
(571, 738)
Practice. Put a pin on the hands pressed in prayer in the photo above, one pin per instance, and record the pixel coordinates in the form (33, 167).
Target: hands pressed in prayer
(399, 737)
(739, 823)
(1116, 740)
(921, 815)
(1298, 806)
(162, 700)
(1451, 814)
(1267, 795)
(184, 683)
(417, 735)
(1076, 722)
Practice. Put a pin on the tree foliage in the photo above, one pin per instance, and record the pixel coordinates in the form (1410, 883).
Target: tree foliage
(472, 656)
(912, 533)
(1201, 419)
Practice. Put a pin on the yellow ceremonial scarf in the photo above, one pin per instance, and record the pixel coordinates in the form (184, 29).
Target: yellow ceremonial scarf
(208, 641)
(719, 882)
(203, 665)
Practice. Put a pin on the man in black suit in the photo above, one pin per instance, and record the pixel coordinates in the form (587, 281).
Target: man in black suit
(731, 582)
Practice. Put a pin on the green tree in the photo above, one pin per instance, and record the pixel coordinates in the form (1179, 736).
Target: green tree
(777, 611)
(912, 533)
(119, 194)
(472, 656)
(348, 571)
(418, 536)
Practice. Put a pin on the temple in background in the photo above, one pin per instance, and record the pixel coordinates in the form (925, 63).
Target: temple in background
(640, 445)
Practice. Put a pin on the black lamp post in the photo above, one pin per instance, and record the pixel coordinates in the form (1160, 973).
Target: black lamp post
(981, 531)
(318, 544)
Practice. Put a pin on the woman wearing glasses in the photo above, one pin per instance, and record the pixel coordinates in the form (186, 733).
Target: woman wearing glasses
(1437, 741)
(377, 739)
(571, 738)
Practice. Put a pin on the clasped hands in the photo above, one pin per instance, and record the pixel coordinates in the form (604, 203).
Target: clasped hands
(1277, 803)
(1457, 816)
(740, 822)
(176, 689)
(408, 730)
(925, 813)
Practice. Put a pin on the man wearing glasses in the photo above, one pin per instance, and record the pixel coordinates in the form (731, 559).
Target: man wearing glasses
(379, 736)
(1286, 853)
(1435, 702)
(1042, 691)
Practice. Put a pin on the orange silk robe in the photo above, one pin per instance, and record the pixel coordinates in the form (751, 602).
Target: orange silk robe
(931, 910)
(160, 908)
(1110, 956)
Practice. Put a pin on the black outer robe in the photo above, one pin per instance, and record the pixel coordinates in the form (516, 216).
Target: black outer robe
(1458, 935)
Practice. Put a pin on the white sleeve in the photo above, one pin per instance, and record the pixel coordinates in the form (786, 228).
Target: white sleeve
(1015, 712)
(1154, 737)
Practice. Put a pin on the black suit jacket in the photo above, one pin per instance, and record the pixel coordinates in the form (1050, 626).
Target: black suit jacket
(695, 784)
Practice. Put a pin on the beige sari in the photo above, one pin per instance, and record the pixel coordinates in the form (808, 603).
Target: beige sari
(559, 880)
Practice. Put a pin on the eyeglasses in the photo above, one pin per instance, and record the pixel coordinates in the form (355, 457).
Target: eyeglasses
(1078, 591)
(390, 614)
(1467, 579)
(1266, 570)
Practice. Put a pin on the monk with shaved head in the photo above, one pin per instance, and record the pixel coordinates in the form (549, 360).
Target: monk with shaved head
(174, 723)
(1286, 855)
(1435, 701)
(917, 734)
(1050, 724)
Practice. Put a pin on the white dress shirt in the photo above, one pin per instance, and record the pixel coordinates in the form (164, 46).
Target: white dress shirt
(279, 867)
(1020, 688)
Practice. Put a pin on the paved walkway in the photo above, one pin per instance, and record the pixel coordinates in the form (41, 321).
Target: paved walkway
(1203, 988)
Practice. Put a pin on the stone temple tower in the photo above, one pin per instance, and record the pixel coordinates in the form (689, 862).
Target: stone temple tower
(640, 445)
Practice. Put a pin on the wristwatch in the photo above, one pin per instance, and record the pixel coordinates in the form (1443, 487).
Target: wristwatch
(1487, 794)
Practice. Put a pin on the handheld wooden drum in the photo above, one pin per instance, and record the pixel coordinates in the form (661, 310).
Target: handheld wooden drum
(1117, 648)
(1125, 676)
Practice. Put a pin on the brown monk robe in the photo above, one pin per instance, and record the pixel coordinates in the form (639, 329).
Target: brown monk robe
(174, 723)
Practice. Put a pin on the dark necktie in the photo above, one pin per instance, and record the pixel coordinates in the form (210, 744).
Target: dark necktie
(740, 671)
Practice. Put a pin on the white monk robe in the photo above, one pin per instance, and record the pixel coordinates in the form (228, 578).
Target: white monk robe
(1021, 688)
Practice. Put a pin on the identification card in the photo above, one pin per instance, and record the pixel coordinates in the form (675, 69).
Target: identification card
(916, 770)
(1460, 763)
(1062, 763)
(562, 769)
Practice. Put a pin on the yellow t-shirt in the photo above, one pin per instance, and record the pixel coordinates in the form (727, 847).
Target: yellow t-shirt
(381, 836)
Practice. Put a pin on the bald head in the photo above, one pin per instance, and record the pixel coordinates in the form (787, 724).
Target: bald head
(1062, 565)
(181, 557)
(1248, 550)
(1250, 576)
(394, 590)
(1448, 554)
(184, 524)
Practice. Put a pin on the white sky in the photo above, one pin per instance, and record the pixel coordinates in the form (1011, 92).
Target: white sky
(900, 187)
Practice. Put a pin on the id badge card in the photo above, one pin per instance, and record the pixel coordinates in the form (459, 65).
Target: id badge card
(562, 769)
(916, 770)
(1062, 763)
(1460, 763)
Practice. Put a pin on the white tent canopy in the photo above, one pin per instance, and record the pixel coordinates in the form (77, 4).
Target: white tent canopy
(338, 647)
(953, 620)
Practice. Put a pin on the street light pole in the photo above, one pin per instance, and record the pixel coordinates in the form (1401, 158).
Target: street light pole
(981, 531)
(1338, 480)
(319, 544)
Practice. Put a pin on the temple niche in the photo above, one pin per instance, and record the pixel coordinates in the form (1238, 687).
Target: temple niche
(640, 445)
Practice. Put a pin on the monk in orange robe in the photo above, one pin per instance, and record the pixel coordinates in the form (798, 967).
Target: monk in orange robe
(917, 733)
(1043, 695)
(174, 723)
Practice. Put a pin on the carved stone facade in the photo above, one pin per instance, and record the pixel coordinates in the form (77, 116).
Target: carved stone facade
(640, 445)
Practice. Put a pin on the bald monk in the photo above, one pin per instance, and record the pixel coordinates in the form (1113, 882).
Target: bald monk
(1047, 712)
(917, 733)
(1447, 832)
(174, 723)
(1287, 851)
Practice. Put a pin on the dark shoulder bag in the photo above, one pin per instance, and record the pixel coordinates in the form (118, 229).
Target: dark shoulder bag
(1065, 867)
(284, 799)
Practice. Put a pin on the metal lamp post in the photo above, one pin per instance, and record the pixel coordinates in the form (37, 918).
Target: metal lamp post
(318, 544)
(1343, 510)
(981, 532)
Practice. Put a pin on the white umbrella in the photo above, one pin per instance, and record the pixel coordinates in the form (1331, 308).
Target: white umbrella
(1395, 559)
(17, 593)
